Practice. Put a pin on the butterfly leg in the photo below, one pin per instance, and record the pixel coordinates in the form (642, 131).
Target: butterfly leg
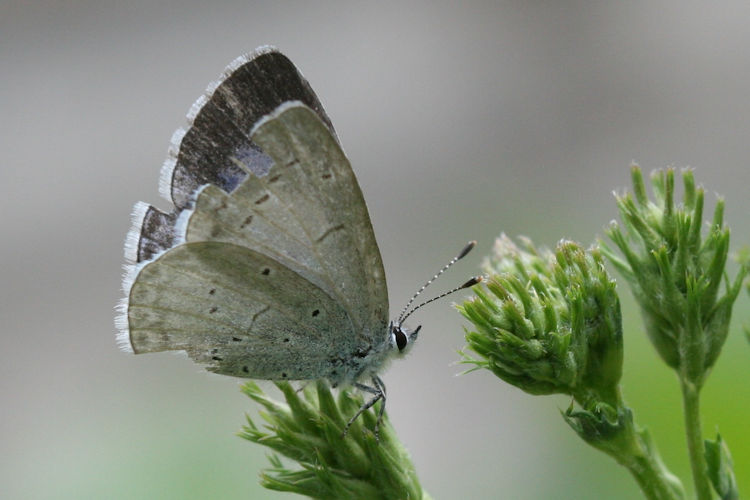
(378, 382)
(378, 393)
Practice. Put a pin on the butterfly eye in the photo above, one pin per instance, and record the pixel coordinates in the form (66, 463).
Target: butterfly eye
(400, 338)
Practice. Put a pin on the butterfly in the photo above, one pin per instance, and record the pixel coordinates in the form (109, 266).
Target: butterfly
(267, 267)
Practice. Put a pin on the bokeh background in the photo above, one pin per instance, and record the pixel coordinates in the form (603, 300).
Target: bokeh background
(461, 119)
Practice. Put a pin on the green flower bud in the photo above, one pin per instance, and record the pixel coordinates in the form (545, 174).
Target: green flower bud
(548, 322)
(675, 273)
(308, 430)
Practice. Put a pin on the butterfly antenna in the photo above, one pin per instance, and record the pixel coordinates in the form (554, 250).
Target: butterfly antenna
(473, 281)
(455, 259)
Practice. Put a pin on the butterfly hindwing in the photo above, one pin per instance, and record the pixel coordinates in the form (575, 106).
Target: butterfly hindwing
(237, 311)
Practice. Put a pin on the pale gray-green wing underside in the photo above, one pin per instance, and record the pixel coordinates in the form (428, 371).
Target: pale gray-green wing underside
(239, 312)
(307, 213)
(296, 211)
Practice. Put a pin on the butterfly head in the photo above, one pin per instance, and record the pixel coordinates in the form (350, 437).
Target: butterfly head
(401, 337)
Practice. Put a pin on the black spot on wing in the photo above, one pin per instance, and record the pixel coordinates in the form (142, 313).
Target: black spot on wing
(362, 353)
(246, 222)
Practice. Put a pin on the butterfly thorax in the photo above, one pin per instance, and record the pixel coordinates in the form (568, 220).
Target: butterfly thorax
(367, 362)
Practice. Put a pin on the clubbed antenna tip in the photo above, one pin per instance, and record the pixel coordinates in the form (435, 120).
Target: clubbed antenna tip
(473, 281)
(466, 249)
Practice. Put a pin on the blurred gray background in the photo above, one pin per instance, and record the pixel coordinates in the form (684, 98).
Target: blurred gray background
(461, 120)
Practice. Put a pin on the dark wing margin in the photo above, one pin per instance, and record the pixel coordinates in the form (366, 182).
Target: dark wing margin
(216, 147)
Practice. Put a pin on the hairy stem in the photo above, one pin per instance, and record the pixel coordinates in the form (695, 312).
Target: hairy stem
(694, 435)
(651, 477)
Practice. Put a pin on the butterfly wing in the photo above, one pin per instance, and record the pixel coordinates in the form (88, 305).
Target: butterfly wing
(292, 207)
(220, 122)
(237, 311)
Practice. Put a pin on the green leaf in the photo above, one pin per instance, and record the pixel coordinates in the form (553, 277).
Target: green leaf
(721, 469)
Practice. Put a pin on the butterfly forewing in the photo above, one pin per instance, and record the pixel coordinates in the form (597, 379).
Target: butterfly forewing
(221, 121)
(331, 210)
(308, 215)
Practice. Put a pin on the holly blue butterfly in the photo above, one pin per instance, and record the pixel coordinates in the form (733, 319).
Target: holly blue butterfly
(267, 267)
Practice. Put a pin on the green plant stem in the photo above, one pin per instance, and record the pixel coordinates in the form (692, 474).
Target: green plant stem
(635, 450)
(649, 481)
(650, 475)
(691, 409)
